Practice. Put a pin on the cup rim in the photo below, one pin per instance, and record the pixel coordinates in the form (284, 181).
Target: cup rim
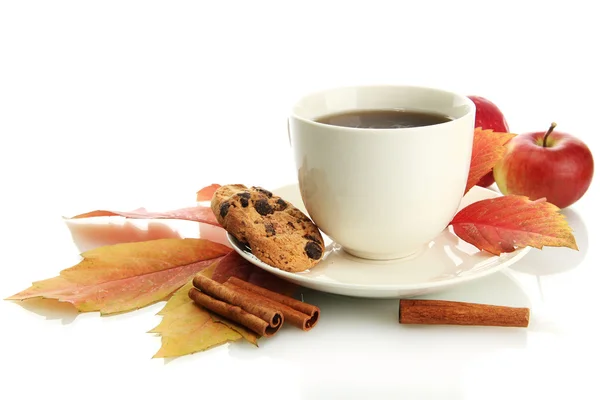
(468, 101)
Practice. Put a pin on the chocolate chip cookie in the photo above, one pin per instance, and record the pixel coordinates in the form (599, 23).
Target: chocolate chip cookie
(277, 232)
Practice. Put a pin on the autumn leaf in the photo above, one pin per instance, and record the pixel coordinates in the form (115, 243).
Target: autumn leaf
(199, 214)
(206, 193)
(128, 276)
(234, 265)
(187, 328)
(488, 149)
(501, 224)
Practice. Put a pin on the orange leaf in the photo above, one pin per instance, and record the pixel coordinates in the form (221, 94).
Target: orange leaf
(198, 214)
(128, 276)
(206, 193)
(488, 149)
(501, 224)
(234, 265)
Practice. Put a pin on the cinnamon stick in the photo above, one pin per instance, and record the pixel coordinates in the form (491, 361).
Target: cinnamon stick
(302, 315)
(214, 293)
(436, 312)
(234, 313)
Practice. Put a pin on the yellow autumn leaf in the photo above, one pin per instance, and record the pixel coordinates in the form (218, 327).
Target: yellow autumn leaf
(187, 328)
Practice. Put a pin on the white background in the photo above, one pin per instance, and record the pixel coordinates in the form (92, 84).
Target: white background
(122, 104)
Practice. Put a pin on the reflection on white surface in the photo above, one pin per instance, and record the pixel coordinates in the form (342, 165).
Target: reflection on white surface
(354, 330)
(457, 260)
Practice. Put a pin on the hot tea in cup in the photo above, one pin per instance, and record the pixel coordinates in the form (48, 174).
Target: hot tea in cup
(382, 169)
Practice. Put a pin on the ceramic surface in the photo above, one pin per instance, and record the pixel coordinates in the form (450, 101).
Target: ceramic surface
(444, 262)
(377, 192)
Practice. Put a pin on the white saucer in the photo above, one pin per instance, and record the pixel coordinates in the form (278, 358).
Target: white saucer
(445, 262)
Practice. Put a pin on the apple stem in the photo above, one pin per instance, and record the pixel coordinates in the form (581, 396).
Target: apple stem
(552, 126)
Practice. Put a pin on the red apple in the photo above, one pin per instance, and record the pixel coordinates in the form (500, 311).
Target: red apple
(550, 164)
(488, 116)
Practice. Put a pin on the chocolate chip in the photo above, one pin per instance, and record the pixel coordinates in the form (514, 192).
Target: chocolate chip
(244, 197)
(263, 191)
(224, 209)
(313, 250)
(282, 205)
(263, 207)
(270, 229)
(291, 225)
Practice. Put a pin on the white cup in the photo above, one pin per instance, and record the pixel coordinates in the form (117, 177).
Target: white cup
(382, 193)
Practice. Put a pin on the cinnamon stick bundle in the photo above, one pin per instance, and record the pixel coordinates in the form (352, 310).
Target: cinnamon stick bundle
(302, 315)
(435, 312)
(239, 307)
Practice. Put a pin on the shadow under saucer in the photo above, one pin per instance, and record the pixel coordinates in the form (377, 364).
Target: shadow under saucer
(500, 288)
(353, 328)
(352, 319)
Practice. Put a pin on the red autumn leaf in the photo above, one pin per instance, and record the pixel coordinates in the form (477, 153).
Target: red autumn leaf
(206, 193)
(501, 224)
(234, 265)
(198, 214)
(128, 276)
(488, 149)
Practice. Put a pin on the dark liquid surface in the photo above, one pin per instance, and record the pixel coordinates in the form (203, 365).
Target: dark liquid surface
(383, 119)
